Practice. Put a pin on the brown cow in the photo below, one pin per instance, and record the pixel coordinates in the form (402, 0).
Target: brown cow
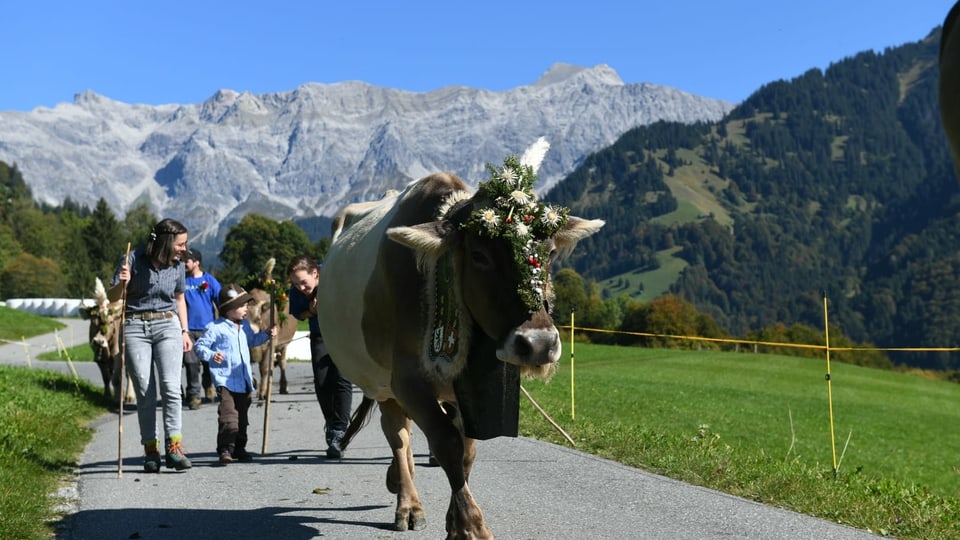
(258, 313)
(950, 82)
(104, 318)
(434, 302)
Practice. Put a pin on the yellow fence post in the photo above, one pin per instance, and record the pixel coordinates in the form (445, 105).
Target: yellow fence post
(573, 401)
(826, 333)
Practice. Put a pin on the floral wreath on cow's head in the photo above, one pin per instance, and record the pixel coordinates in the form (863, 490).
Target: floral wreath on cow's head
(516, 216)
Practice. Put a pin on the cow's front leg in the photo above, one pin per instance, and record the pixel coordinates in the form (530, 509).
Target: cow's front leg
(106, 373)
(455, 454)
(469, 455)
(265, 366)
(282, 361)
(464, 518)
(396, 428)
(124, 387)
(469, 445)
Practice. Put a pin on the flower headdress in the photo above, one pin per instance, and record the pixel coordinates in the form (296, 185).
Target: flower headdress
(277, 291)
(515, 215)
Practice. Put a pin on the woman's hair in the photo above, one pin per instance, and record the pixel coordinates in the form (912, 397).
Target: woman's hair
(162, 237)
(301, 262)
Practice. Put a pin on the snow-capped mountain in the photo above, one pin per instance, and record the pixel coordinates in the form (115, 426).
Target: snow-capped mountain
(309, 151)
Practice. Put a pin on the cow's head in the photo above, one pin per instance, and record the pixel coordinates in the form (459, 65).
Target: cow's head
(104, 319)
(502, 242)
(258, 311)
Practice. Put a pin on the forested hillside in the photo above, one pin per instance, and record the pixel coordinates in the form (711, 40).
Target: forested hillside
(836, 182)
(50, 252)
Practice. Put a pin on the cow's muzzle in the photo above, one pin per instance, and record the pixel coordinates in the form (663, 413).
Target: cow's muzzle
(531, 348)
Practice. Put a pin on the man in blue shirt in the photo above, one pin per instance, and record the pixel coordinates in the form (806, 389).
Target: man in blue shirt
(202, 292)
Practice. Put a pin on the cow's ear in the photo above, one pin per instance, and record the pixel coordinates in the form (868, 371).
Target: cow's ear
(576, 229)
(426, 238)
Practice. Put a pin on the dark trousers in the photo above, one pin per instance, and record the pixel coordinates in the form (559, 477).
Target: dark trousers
(205, 380)
(232, 419)
(198, 372)
(334, 392)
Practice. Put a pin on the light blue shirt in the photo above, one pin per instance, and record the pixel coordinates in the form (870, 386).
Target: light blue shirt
(224, 335)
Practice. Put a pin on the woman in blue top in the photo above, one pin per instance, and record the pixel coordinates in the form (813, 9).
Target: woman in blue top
(225, 346)
(155, 335)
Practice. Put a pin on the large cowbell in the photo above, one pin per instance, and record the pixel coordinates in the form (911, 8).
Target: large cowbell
(488, 392)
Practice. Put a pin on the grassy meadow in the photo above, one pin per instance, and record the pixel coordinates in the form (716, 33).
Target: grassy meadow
(753, 425)
(645, 286)
(758, 426)
(43, 430)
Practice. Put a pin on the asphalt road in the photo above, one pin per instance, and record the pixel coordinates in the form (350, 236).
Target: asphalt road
(527, 489)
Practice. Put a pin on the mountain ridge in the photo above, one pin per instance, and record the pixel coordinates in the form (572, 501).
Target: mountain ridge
(836, 185)
(308, 151)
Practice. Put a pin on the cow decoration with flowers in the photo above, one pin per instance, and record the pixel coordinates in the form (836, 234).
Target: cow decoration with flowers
(435, 301)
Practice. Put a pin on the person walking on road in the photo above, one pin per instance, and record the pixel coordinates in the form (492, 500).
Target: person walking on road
(155, 337)
(225, 346)
(334, 392)
(201, 296)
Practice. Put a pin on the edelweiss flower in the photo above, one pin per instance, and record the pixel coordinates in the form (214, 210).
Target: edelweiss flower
(522, 230)
(550, 216)
(490, 218)
(519, 198)
(508, 175)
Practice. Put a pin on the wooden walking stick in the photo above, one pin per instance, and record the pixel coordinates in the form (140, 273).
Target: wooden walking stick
(123, 363)
(269, 381)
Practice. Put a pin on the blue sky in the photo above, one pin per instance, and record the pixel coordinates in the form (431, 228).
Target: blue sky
(184, 51)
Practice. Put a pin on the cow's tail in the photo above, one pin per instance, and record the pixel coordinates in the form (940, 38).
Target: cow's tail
(360, 418)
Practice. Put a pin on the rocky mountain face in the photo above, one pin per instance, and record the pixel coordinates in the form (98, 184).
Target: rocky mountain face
(309, 151)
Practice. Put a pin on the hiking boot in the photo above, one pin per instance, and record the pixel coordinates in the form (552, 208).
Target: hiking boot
(241, 455)
(211, 393)
(151, 463)
(225, 457)
(175, 456)
(194, 403)
(334, 450)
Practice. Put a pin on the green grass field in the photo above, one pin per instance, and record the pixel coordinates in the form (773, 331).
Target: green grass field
(758, 426)
(753, 425)
(653, 283)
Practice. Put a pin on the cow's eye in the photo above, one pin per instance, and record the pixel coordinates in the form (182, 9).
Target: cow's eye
(479, 258)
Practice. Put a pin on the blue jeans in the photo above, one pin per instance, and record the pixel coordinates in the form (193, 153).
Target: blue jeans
(157, 344)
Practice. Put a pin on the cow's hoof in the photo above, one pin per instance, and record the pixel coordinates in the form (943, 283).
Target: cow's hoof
(411, 520)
